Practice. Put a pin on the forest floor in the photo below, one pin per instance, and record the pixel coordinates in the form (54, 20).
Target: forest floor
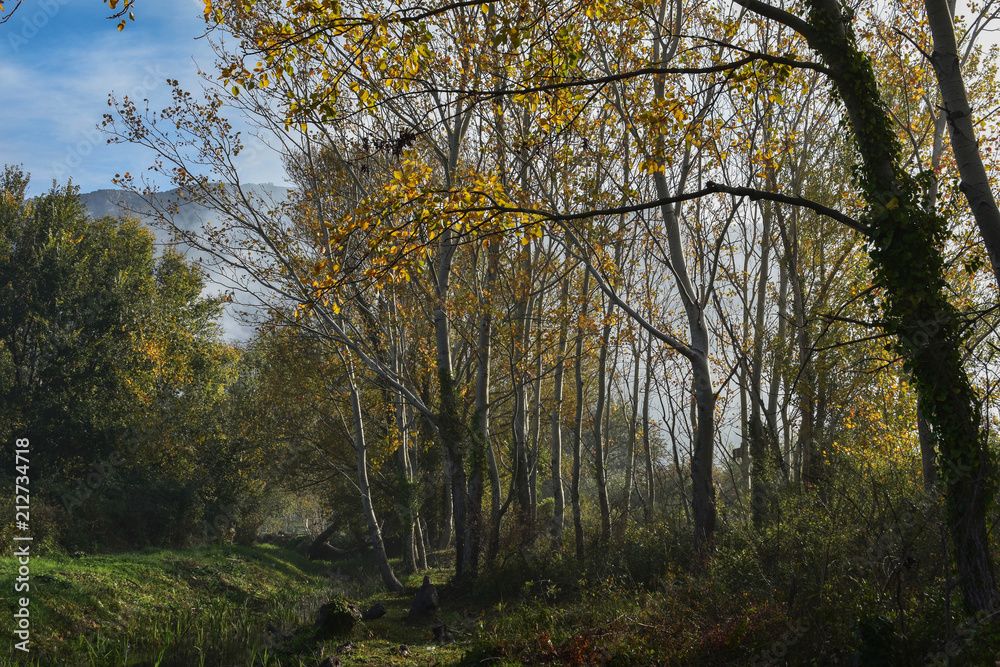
(228, 606)
(208, 606)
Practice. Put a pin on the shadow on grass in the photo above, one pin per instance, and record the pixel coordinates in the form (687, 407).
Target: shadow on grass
(203, 606)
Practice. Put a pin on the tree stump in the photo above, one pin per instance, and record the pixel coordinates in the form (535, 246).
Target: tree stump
(426, 601)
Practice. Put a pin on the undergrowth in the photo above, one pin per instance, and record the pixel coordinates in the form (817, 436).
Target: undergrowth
(857, 574)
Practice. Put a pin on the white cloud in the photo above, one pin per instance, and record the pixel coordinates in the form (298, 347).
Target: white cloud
(56, 87)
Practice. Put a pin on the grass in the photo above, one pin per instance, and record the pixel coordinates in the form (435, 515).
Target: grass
(210, 606)
(631, 606)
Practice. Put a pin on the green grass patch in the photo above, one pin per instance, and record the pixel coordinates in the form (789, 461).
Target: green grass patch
(202, 606)
(213, 606)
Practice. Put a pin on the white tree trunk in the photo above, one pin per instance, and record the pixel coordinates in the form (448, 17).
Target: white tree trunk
(361, 447)
(975, 182)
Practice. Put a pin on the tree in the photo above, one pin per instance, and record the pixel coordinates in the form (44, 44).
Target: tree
(961, 128)
(906, 241)
(77, 294)
(567, 126)
(111, 363)
(361, 450)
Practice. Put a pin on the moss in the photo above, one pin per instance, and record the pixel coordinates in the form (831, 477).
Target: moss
(337, 618)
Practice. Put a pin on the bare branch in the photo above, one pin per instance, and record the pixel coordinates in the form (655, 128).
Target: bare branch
(712, 188)
(781, 16)
(11, 13)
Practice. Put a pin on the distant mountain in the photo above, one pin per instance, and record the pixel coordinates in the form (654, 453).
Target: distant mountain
(111, 202)
(190, 216)
(116, 202)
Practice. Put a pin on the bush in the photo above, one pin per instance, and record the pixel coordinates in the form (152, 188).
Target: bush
(336, 618)
(134, 508)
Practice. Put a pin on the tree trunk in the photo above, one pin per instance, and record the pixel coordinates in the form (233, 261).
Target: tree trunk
(578, 424)
(599, 455)
(480, 429)
(450, 424)
(632, 432)
(536, 430)
(421, 544)
(361, 448)
(496, 511)
(519, 453)
(558, 498)
(745, 451)
(777, 369)
(760, 439)
(520, 421)
(650, 481)
(961, 128)
(802, 456)
(702, 485)
(321, 538)
(407, 501)
(447, 518)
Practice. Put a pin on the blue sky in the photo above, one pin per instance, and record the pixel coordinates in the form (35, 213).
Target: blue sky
(59, 60)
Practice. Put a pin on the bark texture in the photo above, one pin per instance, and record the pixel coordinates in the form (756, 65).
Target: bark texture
(955, 100)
